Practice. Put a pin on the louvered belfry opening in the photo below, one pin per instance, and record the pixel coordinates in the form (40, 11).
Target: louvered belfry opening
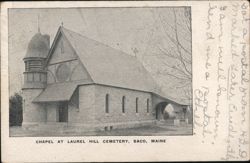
(34, 65)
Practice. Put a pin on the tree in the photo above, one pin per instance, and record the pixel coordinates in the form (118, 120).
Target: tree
(177, 60)
(15, 110)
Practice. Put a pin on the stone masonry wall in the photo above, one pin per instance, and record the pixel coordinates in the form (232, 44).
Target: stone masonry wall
(115, 114)
(52, 112)
(85, 113)
(32, 112)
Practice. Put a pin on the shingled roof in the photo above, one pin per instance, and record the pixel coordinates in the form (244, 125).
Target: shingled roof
(112, 67)
(38, 46)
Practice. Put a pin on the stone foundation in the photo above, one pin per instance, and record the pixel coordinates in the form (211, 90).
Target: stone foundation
(179, 122)
(77, 127)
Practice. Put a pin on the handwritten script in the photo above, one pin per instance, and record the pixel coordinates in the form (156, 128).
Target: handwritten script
(221, 104)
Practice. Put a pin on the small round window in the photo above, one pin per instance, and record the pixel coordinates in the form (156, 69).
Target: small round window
(62, 73)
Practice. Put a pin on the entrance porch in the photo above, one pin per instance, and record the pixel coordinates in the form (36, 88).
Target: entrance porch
(57, 112)
(171, 113)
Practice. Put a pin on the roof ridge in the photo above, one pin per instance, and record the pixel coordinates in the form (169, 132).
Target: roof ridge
(159, 90)
(148, 83)
(123, 53)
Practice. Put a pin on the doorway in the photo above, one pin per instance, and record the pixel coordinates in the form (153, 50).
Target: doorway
(160, 110)
(63, 112)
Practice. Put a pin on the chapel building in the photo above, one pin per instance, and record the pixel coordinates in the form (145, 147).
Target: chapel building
(83, 83)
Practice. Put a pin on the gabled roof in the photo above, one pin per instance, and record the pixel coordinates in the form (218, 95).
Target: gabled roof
(109, 66)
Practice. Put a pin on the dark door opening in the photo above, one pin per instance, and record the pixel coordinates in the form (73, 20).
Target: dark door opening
(160, 110)
(158, 113)
(63, 112)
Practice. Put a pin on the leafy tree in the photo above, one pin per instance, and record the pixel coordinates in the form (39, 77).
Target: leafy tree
(15, 110)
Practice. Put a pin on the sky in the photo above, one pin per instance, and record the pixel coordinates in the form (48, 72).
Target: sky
(135, 31)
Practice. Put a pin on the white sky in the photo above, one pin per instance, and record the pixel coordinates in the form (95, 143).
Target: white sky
(132, 30)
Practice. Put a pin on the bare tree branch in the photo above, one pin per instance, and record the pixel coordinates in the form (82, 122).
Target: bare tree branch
(169, 74)
(184, 85)
(164, 51)
(178, 45)
(179, 67)
(167, 54)
(178, 70)
(170, 37)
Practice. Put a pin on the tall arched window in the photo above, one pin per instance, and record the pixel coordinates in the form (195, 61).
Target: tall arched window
(147, 105)
(136, 105)
(123, 104)
(62, 47)
(107, 103)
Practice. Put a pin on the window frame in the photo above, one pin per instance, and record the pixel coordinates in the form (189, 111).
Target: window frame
(123, 103)
(107, 103)
(62, 47)
(147, 105)
(136, 105)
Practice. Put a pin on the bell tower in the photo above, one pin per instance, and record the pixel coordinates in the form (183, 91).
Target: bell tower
(35, 74)
(35, 78)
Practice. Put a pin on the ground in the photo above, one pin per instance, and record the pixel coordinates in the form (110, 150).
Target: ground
(150, 130)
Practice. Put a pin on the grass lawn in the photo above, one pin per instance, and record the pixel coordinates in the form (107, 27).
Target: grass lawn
(150, 130)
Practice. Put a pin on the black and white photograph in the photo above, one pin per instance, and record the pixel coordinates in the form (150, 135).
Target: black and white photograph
(122, 71)
(125, 81)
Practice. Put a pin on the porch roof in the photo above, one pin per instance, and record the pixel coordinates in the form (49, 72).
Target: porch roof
(57, 92)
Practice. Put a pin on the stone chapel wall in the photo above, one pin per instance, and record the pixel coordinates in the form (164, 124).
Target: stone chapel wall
(85, 113)
(115, 114)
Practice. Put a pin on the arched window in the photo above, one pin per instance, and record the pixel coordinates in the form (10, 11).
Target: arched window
(107, 103)
(62, 47)
(136, 105)
(123, 104)
(147, 105)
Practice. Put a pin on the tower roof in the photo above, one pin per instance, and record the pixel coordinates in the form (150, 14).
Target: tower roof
(38, 46)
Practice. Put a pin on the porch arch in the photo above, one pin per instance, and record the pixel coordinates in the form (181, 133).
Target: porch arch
(160, 107)
(177, 111)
